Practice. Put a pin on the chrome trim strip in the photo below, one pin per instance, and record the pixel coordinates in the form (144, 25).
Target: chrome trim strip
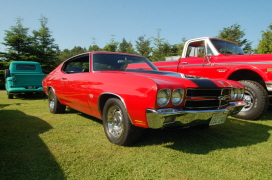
(114, 95)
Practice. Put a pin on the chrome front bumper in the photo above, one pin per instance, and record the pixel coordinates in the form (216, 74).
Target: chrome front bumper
(163, 117)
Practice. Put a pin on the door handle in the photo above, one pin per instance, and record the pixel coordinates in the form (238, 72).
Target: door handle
(184, 62)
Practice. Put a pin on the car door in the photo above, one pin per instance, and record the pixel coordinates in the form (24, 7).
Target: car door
(75, 83)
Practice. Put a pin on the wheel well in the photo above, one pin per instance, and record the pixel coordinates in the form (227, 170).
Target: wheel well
(246, 75)
(103, 99)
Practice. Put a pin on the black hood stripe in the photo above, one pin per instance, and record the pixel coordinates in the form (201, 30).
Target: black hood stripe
(204, 82)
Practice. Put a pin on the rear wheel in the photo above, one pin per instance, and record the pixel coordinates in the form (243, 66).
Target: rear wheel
(10, 96)
(54, 105)
(256, 98)
(117, 126)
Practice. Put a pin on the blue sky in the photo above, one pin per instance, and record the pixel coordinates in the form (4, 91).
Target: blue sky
(77, 23)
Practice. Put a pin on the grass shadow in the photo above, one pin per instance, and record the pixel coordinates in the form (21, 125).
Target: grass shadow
(30, 96)
(232, 134)
(2, 106)
(23, 154)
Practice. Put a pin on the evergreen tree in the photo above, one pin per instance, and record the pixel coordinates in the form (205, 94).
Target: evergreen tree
(44, 49)
(143, 46)
(235, 34)
(18, 43)
(162, 49)
(126, 47)
(265, 44)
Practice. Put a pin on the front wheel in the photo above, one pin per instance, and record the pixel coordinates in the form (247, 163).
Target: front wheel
(256, 98)
(54, 105)
(117, 126)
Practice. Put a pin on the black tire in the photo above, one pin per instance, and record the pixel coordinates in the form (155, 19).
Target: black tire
(54, 105)
(117, 126)
(257, 101)
(7, 73)
(10, 96)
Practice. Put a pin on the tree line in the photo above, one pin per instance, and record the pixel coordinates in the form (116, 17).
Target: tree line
(40, 46)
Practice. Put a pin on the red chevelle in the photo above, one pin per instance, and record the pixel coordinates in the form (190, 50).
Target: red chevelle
(112, 87)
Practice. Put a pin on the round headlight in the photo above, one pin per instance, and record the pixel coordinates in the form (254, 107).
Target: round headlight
(241, 92)
(163, 97)
(233, 94)
(177, 96)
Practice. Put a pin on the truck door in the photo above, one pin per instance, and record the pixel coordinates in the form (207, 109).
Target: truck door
(198, 60)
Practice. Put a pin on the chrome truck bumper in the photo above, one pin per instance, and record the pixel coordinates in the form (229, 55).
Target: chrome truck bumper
(268, 86)
(170, 116)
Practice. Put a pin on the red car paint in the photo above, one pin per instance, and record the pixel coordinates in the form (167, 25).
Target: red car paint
(137, 89)
(217, 58)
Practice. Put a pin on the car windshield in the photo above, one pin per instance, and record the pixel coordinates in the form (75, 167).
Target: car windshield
(225, 47)
(120, 62)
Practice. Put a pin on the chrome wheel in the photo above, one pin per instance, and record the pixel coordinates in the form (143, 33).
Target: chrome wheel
(51, 101)
(248, 98)
(256, 98)
(117, 125)
(115, 122)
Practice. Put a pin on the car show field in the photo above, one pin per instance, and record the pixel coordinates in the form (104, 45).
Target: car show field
(36, 144)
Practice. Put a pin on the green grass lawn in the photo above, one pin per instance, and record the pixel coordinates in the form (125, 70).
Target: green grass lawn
(35, 144)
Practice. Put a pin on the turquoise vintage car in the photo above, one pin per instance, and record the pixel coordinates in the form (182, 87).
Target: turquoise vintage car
(23, 77)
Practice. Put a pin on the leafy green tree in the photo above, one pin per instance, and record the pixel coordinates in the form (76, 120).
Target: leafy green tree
(45, 50)
(112, 46)
(66, 53)
(180, 47)
(94, 47)
(265, 44)
(126, 47)
(143, 46)
(235, 34)
(18, 42)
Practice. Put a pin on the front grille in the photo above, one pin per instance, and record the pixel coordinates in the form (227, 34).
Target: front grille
(203, 92)
(206, 98)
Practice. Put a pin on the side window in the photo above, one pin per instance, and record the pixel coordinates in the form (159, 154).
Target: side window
(196, 49)
(209, 51)
(77, 65)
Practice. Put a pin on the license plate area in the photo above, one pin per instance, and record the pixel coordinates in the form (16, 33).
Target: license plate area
(218, 119)
(31, 87)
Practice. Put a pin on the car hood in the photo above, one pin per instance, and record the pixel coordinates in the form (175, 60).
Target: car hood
(172, 78)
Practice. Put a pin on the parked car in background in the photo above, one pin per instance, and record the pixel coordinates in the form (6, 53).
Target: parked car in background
(218, 58)
(112, 87)
(23, 77)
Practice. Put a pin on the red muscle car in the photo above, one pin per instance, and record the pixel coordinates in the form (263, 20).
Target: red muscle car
(129, 97)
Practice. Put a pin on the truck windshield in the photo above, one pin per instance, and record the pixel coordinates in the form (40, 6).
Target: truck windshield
(25, 67)
(225, 47)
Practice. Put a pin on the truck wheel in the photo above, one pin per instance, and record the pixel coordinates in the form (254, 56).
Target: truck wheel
(10, 96)
(7, 73)
(256, 98)
(54, 105)
(117, 126)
